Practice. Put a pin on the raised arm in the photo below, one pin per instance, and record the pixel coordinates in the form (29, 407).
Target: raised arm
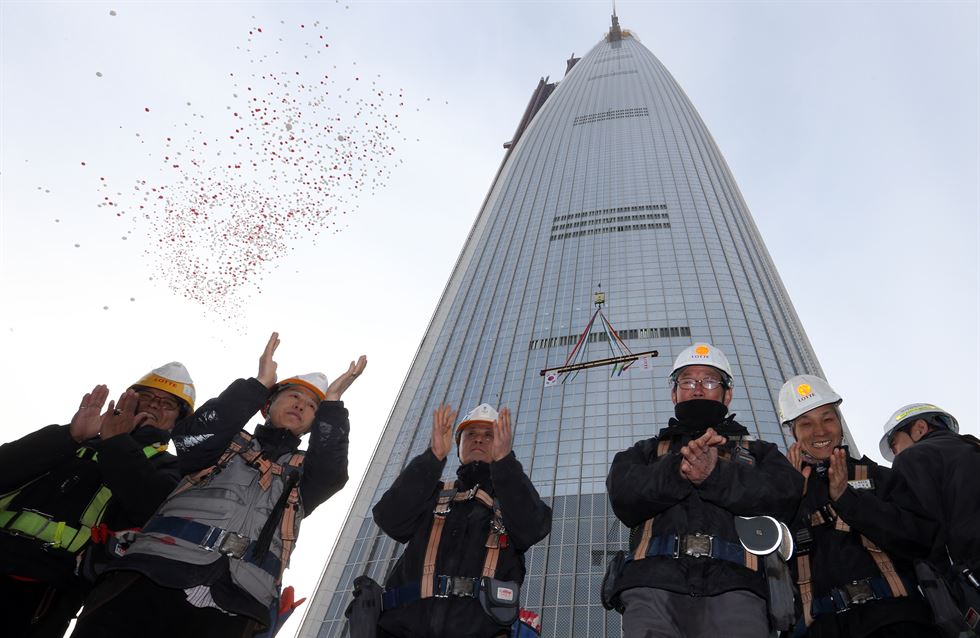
(201, 439)
(38, 452)
(412, 497)
(325, 467)
(526, 517)
(901, 530)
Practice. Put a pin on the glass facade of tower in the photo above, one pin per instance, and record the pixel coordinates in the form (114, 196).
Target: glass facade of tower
(616, 183)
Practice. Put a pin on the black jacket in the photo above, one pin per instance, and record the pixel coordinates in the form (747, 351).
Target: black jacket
(935, 493)
(643, 485)
(56, 481)
(203, 438)
(838, 557)
(405, 514)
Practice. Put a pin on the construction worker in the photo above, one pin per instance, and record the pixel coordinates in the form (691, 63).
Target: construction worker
(67, 488)
(210, 560)
(851, 581)
(686, 573)
(461, 573)
(935, 480)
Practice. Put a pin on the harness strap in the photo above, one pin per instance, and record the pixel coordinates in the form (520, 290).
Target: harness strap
(445, 586)
(287, 528)
(213, 539)
(663, 447)
(644, 544)
(242, 440)
(696, 546)
(803, 580)
(241, 445)
(852, 594)
(886, 567)
(895, 583)
(442, 508)
(496, 538)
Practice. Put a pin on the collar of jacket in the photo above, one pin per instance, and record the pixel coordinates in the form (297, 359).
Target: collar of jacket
(822, 466)
(276, 441)
(148, 434)
(475, 473)
(728, 427)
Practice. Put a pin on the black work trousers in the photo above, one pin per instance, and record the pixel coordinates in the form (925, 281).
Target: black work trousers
(142, 609)
(33, 609)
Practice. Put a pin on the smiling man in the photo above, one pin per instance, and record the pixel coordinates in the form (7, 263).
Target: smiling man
(67, 486)
(210, 561)
(852, 583)
(461, 572)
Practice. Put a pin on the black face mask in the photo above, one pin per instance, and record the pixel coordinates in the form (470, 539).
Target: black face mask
(700, 412)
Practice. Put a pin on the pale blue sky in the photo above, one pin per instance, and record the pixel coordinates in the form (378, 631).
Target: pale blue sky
(851, 129)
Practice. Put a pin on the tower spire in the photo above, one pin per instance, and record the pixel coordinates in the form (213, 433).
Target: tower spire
(615, 33)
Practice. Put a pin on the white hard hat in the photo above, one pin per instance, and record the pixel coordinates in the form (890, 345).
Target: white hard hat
(703, 354)
(315, 383)
(803, 393)
(908, 414)
(483, 413)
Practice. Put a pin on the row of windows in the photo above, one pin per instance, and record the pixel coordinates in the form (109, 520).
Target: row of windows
(604, 211)
(606, 75)
(611, 114)
(625, 335)
(608, 220)
(610, 229)
(610, 58)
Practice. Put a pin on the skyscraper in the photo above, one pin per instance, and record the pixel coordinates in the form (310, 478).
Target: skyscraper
(611, 182)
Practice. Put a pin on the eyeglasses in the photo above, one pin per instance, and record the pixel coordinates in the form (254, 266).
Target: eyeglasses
(167, 403)
(707, 383)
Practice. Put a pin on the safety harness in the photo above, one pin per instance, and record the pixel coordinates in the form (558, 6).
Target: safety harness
(695, 545)
(889, 585)
(233, 544)
(441, 586)
(59, 534)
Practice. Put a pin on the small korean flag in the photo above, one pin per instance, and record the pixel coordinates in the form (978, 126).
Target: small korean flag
(550, 379)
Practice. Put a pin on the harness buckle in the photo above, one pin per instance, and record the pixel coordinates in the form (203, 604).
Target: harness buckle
(224, 542)
(446, 586)
(857, 592)
(697, 546)
(462, 587)
(444, 504)
(233, 544)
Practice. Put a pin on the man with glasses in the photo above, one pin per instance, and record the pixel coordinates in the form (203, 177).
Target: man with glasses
(686, 573)
(210, 560)
(66, 489)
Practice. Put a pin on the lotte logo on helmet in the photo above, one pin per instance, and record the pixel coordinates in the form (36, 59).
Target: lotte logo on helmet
(803, 389)
(701, 351)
